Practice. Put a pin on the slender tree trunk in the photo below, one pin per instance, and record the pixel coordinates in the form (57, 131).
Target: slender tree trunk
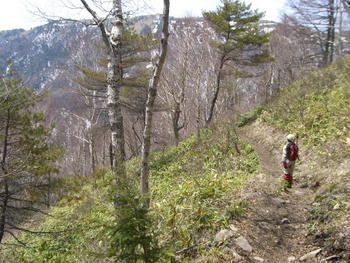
(152, 93)
(198, 120)
(110, 155)
(85, 159)
(137, 140)
(4, 209)
(48, 191)
(6, 194)
(329, 45)
(104, 150)
(217, 90)
(332, 31)
(340, 34)
(92, 155)
(176, 126)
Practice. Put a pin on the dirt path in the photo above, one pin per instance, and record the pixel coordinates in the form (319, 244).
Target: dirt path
(276, 222)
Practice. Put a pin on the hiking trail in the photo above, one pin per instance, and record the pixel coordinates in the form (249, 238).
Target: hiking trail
(276, 222)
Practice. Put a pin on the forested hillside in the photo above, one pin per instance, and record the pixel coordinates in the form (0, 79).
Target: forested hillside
(159, 139)
(208, 190)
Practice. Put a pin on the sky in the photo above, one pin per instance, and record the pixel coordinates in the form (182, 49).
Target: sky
(19, 13)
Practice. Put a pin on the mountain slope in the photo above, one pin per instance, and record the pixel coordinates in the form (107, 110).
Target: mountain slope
(192, 189)
(210, 200)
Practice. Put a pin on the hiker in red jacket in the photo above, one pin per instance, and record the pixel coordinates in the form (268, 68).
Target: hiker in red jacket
(289, 156)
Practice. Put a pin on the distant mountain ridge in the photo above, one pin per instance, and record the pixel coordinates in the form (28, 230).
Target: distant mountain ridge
(43, 54)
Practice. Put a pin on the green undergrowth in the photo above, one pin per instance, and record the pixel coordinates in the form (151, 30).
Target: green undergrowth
(327, 206)
(317, 108)
(249, 117)
(193, 188)
(328, 218)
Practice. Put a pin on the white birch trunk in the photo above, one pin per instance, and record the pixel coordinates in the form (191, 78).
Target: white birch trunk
(114, 82)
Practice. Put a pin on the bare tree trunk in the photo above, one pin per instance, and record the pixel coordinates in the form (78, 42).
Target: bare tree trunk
(4, 209)
(152, 93)
(138, 140)
(48, 201)
(6, 194)
(176, 126)
(85, 167)
(104, 150)
(217, 90)
(340, 34)
(329, 45)
(198, 121)
(92, 154)
(332, 28)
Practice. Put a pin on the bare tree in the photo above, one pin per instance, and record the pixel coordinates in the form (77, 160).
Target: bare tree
(320, 16)
(175, 81)
(158, 62)
(187, 79)
(294, 49)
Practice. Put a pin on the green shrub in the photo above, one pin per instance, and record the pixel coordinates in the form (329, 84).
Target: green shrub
(132, 237)
(249, 117)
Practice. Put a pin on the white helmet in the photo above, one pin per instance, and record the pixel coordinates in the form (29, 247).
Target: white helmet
(291, 137)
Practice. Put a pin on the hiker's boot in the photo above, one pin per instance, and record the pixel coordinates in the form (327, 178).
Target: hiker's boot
(288, 179)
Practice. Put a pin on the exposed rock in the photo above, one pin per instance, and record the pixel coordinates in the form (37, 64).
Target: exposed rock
(280, 202)
(292, 259)
(234, 228)
(300, 193)
(311, 255)
(257, 259)
(224, 235)
(244, 244)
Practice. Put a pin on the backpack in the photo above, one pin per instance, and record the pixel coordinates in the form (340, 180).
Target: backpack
(292, 151)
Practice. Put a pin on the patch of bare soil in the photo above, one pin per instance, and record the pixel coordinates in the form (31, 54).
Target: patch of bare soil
(276, 222)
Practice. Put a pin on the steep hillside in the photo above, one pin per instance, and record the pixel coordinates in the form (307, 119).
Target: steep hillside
(193, 188)
(217, 198)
